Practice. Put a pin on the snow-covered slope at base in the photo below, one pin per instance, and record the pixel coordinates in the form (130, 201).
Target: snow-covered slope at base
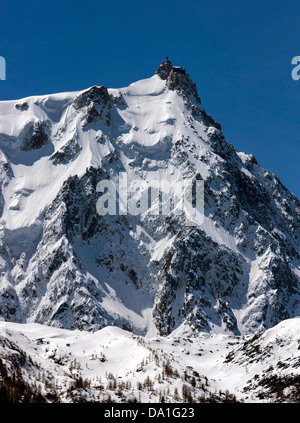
(112, 363)
(63, 265)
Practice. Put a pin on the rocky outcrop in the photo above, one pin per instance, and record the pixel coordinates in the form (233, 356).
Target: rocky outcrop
(67, 153)
(95, 94)
(37, 136)
(164, 69)
(22, 106)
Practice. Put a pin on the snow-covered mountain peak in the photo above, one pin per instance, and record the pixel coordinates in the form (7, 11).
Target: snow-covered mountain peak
(177, 79)
(64, 265)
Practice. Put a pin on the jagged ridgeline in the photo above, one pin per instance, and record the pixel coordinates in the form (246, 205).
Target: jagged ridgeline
(63, 264)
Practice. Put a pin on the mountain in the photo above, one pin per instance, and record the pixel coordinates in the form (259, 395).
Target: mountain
(64, 265)
(127, 215)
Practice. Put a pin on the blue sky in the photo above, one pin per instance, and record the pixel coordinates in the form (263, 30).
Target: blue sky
(239, 54)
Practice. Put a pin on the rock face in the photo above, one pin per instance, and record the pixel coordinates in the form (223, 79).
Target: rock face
(62, 264)
(37, 136)
(164, 69)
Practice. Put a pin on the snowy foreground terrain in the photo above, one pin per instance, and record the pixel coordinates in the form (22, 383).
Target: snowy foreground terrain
(142, 306)
(115, 365)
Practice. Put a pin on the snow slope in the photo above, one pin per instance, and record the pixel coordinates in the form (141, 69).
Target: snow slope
(116, 364)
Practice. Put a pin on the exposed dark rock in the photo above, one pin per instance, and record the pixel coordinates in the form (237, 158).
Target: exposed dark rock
(22, 106)
(164, 69)
(95, 94)
(182, 83)
(37, 136)
(96, 104)
(68, 152)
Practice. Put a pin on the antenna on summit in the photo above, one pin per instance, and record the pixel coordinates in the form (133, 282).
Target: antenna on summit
(167, 58)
